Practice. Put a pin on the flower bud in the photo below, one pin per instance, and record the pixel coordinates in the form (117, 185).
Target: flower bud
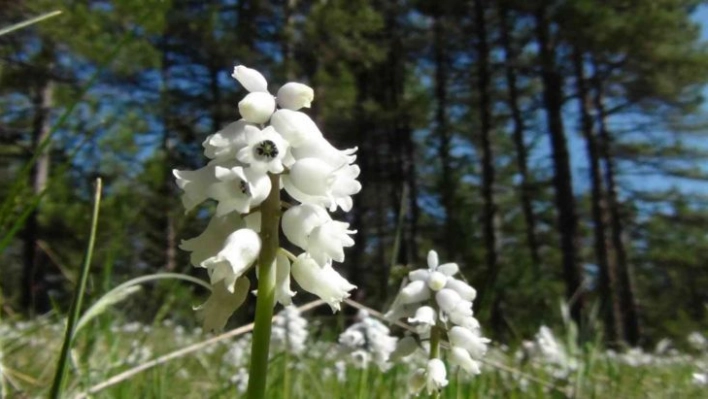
(257, 107)
(436, 281)
(460, 357)
(250, 79)
(297, 128)
(465, 290)
(448, 299)
(294, 96)
(415, 291)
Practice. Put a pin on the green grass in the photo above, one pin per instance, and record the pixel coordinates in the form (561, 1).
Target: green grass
(31, 349)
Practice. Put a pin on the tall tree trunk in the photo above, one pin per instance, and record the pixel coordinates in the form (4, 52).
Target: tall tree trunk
(526, 192)
(488, 174)
(632, 332)
(609, 304)
(562, 180)
(442, 130)
(35, 296)
(166, 190)
(288, 35)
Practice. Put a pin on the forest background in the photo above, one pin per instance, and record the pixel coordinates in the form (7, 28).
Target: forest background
(555, 149)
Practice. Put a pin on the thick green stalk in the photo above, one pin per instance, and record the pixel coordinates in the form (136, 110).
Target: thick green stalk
(435, 335)
(270, 218)
(75, 310)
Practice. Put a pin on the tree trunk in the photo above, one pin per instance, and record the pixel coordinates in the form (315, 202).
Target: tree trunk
(35, 296)
(609, 305)
(488, 174)
(526, 192)
(562, 179)
(442, 130)
(632, 332)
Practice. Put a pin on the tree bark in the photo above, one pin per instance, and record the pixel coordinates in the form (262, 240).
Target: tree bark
(35, 296)
(442, 130)
(632, 331)
(526, 191)
(609, 305)
(567, 218)
(488, 174)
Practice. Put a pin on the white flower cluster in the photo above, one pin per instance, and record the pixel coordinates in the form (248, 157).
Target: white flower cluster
(551, 354)
(273, 146)
(368, 340)
(434, 298)
(289, 331)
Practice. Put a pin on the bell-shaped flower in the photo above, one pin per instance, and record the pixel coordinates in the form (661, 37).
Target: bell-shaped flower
(320, 148)
(311, 180)
(257, 107)
(194, 184)
(283, 294)
(222, 303)
(415, 291)
(224, 144)
(238, 253)
(250, 79)
(461, 357)
(322, 281)
(435, 375)
(424, 319)
(212, 238)
(467, 292)
(296, 127)
(294, 96)
(311, 228)
(470, 340)
(238, 189)
(264, 150)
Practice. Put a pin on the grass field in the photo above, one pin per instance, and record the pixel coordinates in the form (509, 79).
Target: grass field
(540, 368)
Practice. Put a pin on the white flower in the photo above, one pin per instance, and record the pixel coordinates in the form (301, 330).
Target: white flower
(289, 330)
(424, 318)
(222, 304)
(194, 183)
(264, 150)
(224, 144)
(311, 228)
(250, 79)
(212, 238)
(238, 189)
(368, 340)
(257, 107)
(294, 96)
(435, 375)
(283, 294)
(314, 180)
(322, 281)
(461, 357)
(239, 251)
(469, 340)
(296, 127)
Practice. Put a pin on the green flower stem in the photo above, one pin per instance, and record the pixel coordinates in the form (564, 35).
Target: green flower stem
(435, 335)
(75, 310)
(270, 217)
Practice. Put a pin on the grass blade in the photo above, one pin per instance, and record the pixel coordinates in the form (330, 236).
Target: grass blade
(60, 375)
(24, 24)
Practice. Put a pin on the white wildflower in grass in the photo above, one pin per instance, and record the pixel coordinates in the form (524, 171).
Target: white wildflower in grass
(368, 340)
(274, 146)
(289, 331)
(697, 341)
(438, 306)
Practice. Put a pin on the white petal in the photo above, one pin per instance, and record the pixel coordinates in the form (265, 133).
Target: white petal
(299, 221)
(295, 96)
(250, 79)
(460, 357)
(212, 239)
(419, 275)
(296, 127)
(257, 107)
(240, 250)
(283, 294)
(424, 315)
(465, 290)
(448, 299)
(432, 259)
(415, 291)
(323, 281)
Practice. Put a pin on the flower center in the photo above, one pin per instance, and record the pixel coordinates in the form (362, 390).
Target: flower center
(266, 149)
(243, 187)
